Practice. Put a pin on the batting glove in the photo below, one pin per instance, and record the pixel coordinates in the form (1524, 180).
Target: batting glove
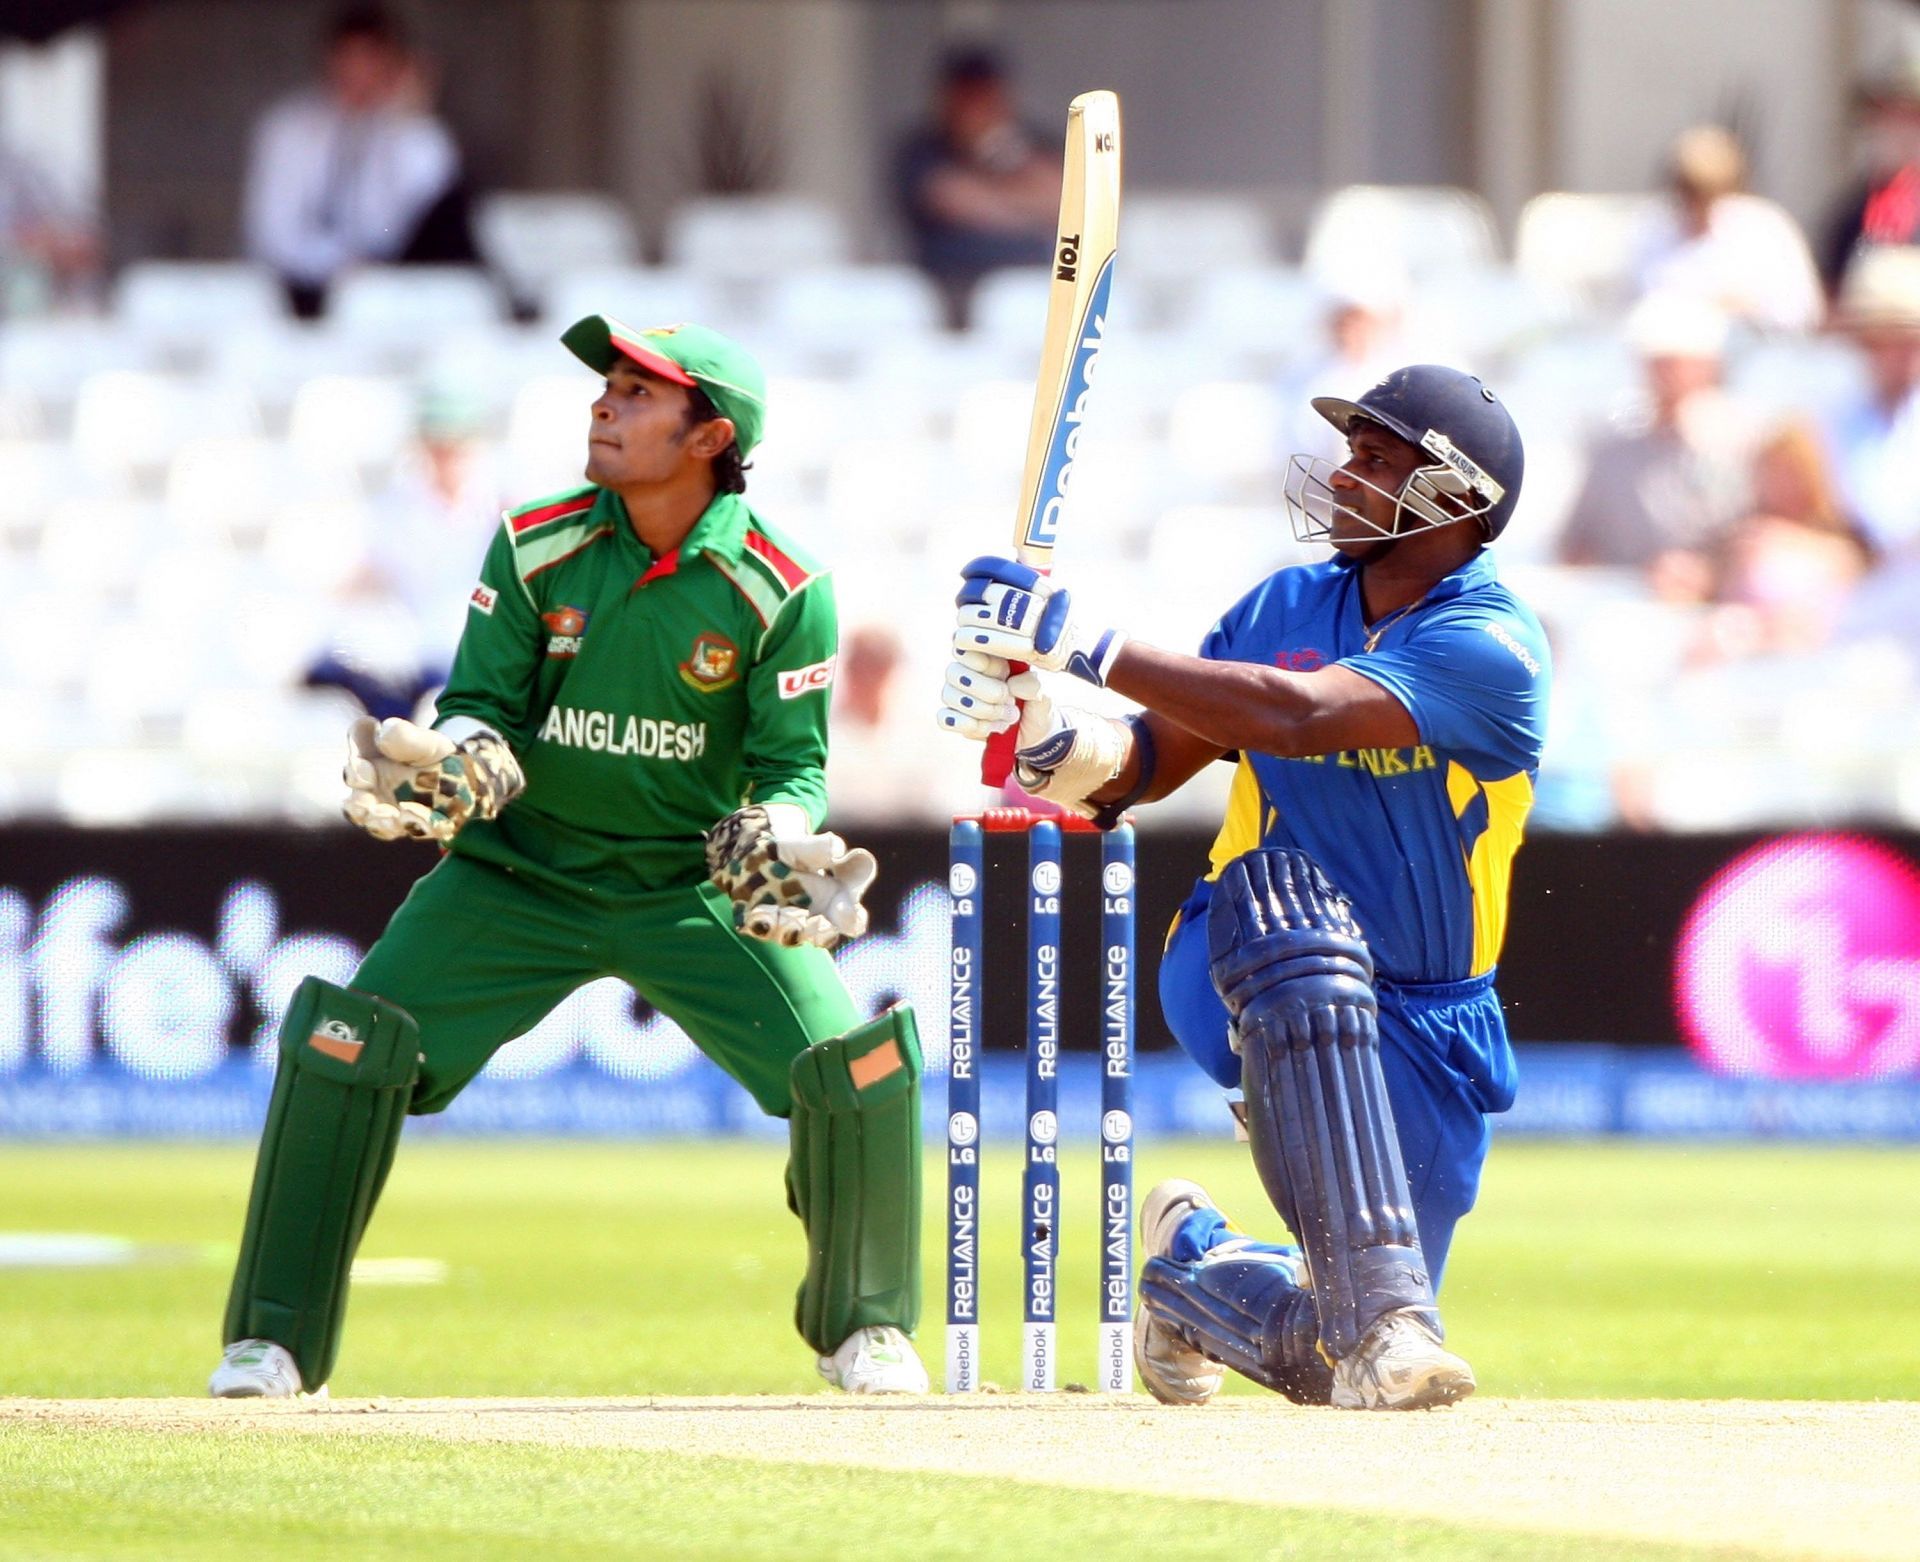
(788, 884)
(408, 780)
(1011, 610)
(1065, 755)
(976, 702)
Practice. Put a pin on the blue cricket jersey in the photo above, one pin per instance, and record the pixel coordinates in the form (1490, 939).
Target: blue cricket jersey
(1421, 839)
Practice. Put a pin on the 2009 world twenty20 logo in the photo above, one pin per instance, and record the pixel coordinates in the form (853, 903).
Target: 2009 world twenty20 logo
(1043, 524)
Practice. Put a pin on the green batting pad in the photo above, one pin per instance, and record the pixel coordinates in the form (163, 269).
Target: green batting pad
(348, 1062)
(853, 1178)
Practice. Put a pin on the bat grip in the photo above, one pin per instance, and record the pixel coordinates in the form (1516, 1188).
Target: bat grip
(996, 762)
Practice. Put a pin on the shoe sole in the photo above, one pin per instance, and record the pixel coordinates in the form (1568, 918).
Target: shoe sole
(1444, 1387)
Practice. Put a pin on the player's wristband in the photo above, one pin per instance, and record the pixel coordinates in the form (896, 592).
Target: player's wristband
(1107, 815)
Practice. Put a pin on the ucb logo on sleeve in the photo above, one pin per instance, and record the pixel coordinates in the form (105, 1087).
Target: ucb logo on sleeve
(804, 680)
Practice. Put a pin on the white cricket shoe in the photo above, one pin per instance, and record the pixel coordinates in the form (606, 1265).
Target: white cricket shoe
(1400, 1364)
(1174, 1373)
(258, 1369)
(875, 1360)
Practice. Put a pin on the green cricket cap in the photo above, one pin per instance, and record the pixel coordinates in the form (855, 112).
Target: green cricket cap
(686, 355)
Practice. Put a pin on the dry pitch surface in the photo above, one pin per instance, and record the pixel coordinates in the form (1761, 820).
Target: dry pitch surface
(1840, 1480)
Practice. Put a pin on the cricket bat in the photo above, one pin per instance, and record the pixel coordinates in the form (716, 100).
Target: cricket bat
(1083, 249)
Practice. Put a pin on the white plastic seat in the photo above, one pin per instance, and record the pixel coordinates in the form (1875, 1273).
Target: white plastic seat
(222, 487)
(1220, 433)
(1476, 319)
(52, 358)
(180, 305)
(1165, 235)
(33, 475)
(1009, 308)
(344, 424)
(1274, 313)
(546, 445)
(1191, 587)
(834, 311)
(315, 545)
(1429, 229)
(642, 296)
(532, 236)
(875, 494)
(127, 423)
(401, 308)
(1583, 245)
(752, 237)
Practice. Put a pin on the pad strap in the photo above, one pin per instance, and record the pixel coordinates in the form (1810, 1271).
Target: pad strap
(348, 1062)
(1296, 977)
(853, 1178)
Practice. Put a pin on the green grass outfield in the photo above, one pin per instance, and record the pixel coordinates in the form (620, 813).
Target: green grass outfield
(1590, 1271)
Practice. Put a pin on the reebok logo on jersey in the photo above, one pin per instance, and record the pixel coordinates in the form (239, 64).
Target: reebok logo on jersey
(565, 626)
(605, 732)
(483, 598)
(1521, 653)
(804, 680)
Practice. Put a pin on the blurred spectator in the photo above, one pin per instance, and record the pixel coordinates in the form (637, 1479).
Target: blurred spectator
(400, 616)
(49, 248)
(1784, 570)
(356, 168)
(1883, 207)
(1713, 241)
(886, 762)
(1659, 494)
(1365, 340)
(1875, 441)
(978, 189)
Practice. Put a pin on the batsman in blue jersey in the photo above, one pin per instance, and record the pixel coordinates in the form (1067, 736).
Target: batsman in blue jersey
(1385, 710)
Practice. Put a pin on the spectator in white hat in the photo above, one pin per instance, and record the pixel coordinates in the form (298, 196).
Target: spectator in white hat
(1660, 491)
(1875, 440)
(1716, 242)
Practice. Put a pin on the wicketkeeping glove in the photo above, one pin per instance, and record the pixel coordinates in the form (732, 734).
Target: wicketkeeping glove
(407, 780)
(788, 884)
(1011, 610)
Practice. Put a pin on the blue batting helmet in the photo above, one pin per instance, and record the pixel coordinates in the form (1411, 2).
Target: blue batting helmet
(1478, 462)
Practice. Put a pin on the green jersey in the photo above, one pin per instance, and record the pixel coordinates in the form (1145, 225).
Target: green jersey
(645, 697)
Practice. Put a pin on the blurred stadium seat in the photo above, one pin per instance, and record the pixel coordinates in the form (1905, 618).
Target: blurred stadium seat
(831, 313)
(349, 426)
(183, 308)
(1429, 229)
(531, 236)
(394, 312)
(639, 295)
(755, 237)
(1582, 245)
(1254, 317)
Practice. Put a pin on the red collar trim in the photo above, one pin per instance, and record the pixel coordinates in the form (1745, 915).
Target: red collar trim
(667, 564)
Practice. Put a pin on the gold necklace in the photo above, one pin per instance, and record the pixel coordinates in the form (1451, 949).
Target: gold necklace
(1374, 634)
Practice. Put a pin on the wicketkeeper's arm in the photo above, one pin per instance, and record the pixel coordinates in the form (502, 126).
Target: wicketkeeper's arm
(491, 684)
(789, 686)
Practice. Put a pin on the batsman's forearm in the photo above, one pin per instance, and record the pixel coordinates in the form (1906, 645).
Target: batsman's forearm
(1230, 705)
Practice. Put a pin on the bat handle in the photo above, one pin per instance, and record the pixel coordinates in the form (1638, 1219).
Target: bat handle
(996, 762)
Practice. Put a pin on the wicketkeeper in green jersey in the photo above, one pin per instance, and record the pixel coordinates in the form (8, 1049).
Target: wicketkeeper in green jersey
(626, 776)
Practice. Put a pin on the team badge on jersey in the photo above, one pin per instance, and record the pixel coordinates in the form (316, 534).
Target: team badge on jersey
(713, 663)
(565, 626)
